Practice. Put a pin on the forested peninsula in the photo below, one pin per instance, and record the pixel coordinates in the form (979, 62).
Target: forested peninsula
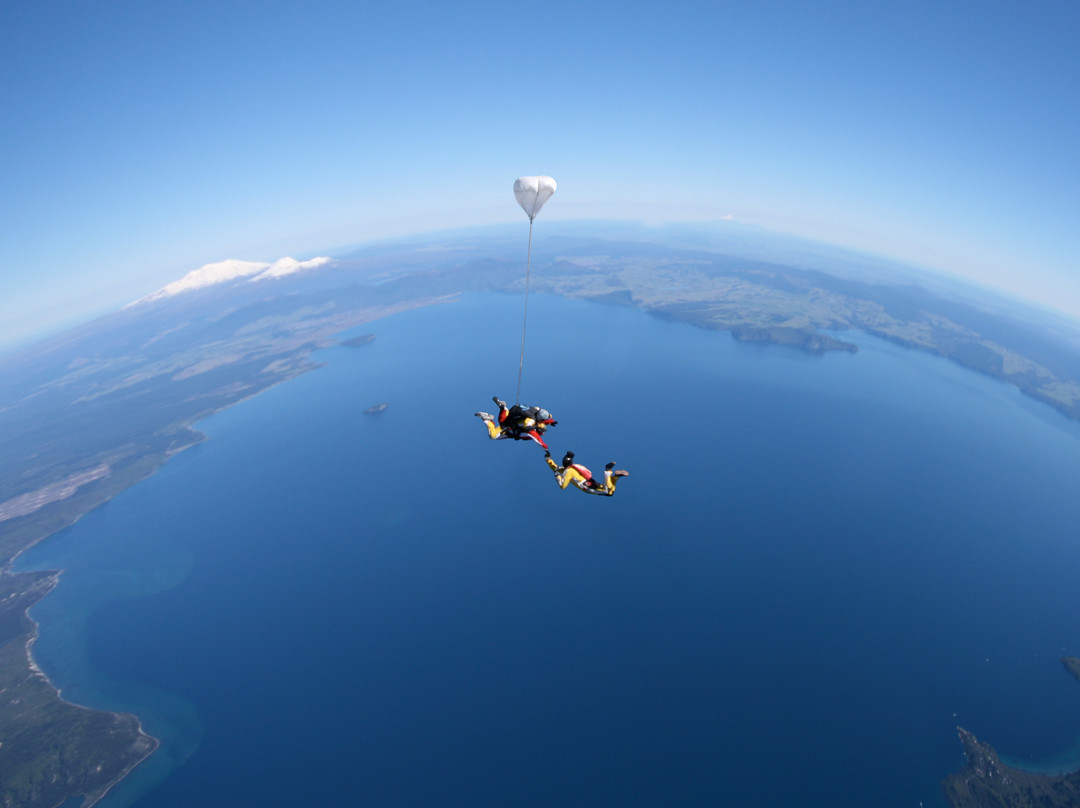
(987, 782)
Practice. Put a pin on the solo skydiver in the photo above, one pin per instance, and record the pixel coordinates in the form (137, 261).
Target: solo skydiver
(571, 473)
(517, 422)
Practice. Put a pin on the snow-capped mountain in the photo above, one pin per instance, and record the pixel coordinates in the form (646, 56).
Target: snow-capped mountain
(230, 270)
(288, 266)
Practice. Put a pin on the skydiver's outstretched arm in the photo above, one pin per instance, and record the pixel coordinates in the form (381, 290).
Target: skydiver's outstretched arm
(536, 437)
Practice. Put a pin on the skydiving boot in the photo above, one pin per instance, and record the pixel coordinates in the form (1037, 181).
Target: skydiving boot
(500, 402)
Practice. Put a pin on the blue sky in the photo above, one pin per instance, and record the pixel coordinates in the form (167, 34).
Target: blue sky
(141, 140)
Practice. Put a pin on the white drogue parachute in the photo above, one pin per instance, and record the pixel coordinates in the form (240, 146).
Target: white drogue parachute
(531, 194)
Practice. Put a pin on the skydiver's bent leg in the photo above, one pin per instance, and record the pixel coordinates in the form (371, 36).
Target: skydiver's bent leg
(572, 475)
(494, 430)
(607, 487)
(610, 478)
(503, 409)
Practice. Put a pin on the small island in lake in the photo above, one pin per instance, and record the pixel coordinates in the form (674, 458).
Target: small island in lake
(987, 781)
(1072, 665)
(356, 342)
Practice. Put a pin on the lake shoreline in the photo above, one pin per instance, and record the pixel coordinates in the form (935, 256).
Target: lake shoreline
(152, 744)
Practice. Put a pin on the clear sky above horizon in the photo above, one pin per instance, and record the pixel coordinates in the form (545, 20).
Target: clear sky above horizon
(143, 140)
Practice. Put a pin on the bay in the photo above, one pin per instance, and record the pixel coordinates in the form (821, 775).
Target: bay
(818, 568)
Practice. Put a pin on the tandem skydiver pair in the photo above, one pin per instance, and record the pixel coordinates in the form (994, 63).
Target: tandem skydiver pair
(517, 422)
(530, 423)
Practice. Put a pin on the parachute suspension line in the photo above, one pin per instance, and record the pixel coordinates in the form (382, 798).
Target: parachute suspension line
(525, 319)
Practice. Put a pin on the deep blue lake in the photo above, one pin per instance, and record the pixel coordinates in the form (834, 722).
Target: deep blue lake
(818, 568)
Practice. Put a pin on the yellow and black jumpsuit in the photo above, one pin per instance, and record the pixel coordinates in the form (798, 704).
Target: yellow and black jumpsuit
(581, 478)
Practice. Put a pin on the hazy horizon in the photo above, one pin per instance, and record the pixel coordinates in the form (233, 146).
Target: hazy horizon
(148, 141)
(723, 237)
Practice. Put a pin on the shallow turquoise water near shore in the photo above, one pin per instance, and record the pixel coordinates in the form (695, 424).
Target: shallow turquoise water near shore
(817, 569)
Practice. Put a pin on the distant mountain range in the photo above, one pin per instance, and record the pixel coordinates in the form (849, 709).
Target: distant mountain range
(225, 271)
